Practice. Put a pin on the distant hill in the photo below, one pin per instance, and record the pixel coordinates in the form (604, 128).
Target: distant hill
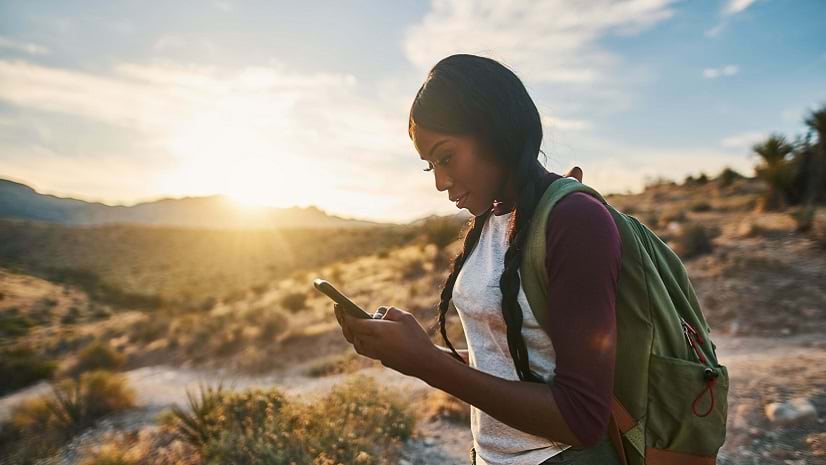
(20, 201)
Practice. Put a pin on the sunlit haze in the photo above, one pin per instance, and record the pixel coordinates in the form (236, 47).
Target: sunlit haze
(305, 103)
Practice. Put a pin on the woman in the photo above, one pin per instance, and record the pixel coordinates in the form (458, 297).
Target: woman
(538, 394)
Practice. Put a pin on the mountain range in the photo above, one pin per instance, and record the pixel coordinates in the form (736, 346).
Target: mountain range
(19, 201)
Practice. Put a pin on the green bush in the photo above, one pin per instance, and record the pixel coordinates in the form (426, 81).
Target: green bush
(692, 241)
(355, 423)
(99, 356)
(21, 367)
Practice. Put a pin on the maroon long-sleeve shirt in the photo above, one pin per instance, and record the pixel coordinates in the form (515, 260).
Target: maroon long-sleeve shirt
(584, 251)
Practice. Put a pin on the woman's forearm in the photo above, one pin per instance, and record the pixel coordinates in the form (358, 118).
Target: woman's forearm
(528, 407)
(462, 352)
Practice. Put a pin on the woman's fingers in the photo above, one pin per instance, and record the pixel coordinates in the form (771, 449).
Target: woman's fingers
(342, 321)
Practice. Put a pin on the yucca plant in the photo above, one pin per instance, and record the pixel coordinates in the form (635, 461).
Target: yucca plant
(197, 425)
(775, 169)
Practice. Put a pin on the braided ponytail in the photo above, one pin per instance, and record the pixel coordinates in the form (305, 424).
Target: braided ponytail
(509, 283)
(471, 238)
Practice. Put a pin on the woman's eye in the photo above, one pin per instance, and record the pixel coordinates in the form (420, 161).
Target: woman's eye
(442, 162)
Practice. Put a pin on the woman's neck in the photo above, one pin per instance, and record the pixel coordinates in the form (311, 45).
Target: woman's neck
(506, 202)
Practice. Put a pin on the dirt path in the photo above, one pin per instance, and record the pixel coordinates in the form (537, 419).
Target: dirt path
(761, 369)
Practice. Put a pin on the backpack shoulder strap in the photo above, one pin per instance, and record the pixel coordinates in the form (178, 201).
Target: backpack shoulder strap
(532, 272)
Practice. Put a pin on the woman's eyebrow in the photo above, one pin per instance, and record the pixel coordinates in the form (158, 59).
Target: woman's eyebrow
(433, 149)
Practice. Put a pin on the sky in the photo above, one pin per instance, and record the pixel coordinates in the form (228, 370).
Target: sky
(306, 103)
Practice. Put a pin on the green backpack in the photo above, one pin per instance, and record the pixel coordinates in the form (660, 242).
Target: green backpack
(670, 393)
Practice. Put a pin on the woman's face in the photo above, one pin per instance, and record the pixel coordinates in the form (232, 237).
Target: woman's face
(462, 167)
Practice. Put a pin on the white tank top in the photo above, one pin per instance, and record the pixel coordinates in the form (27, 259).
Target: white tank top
(478, 300)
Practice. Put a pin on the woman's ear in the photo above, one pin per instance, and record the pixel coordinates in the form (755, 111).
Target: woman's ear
(575, 172)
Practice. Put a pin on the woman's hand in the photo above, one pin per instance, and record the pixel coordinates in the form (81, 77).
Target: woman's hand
(397, 340)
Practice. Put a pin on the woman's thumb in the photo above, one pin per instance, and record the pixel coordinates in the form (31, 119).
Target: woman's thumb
(392, 313)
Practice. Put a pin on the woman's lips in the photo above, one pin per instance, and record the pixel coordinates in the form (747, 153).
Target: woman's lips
(460, 202)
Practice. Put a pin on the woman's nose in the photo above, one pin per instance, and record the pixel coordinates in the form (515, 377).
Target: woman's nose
(443, 181)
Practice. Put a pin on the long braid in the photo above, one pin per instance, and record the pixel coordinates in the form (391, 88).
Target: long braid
(527, 176)
(471, 238)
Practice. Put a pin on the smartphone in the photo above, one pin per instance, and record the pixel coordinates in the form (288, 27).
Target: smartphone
(330, 291)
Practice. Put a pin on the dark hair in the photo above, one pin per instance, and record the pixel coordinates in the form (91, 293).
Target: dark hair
(477, 96)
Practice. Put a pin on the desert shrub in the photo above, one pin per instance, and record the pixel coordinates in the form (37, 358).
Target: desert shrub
(272, 324)
(341, 364)
(412, 269)
(100, 312)
(700, 179)
(693, 240)
(294, 301)
(207, 304)
(71, 316)
(13, 324)
(355, 423)
(99, 356)
(259, 289)
(439, 405)
(818, 228)
(234, 296)
(671, 215)
(441, 231)
(111, 454)
(39, 426)
(381, 254)
(700, 206)
(727, 177)
(148, 329)
(21, 367)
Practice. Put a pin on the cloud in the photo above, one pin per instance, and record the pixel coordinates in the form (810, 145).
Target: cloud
(743, 141)
(224, 5)
(548, 41)
(734, 7)
(564, 124)
(727, 70)
(31, 49)
(730, 9)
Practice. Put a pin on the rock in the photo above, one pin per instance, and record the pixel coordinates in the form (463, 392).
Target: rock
(404, 462)
(796, 412)
(740, 418)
